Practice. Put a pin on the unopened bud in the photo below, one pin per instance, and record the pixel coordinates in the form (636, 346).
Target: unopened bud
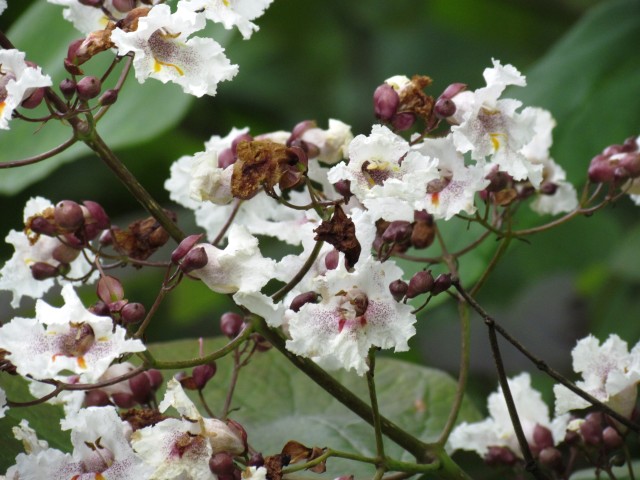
(397, 231)
(109, 97)
(33, 100)
(226, 158)
(64, 253)
(631, 163)
(155, 378)
(299, 301)
(300, 128)
(403, 121)
(123, 400)
(453, 89)
(194, 260)
(600, 170)
(343, 187)
(203, 373)
(185, 247)
(548, 188)
(421, 282)
(91, 3)
(42, 271)
(398, 289)
(231, 324)
(96, 398)
(124, 5)
(498, 180)
(68, 215)
(109, 289)
(332, 259)
(262, 344)
(42, 226)
(591, 433)
(444, 108)
(256, 460)
(68, 88)
(140, 388)
(132, 313)
(500, 456)
(385, 102)
(611, 438)
(89, 87)
(97, 215)
(551, 457)
(100, 309)
(441, 283)
(221, 464)
(542, 437)
(423, 234)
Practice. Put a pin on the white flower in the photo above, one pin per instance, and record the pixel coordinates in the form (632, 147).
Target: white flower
(455, 190)
(164, 51)
(610, 373)
(181, 448)
(16, 274)
(100, 450)
(3, 5)
(231, 13)
(69, 338)
(385, 175)
(17, 81)
(254, 473)
(497, 431)
(27, 435)
(208, 181)
(84, 18)
(333, 142)
(3, 403)
(356, 312)
(489, 126)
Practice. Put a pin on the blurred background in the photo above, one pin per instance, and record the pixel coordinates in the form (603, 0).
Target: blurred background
(320, 60)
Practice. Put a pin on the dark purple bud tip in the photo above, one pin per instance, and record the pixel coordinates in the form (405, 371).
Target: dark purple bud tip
(140, 388)
(421, 282)
(542, 437)
(453, 89)
(332, 259)
(42, 271)
(500, 456)
(423, 216)
(231, 324)
(203, 373)
(307, 297)
(551, 457)
(42, 226)
(343, 187)
(631, 163)
(68, 215)
(256, 460)
(184, 247)
(221, 464)
(89, 87)
(194, 260)
(611, 438)
(97, 215)
(123, 400)
(109, 97)
(398, 289)
(68, 88)
(403, 121)
(132, 313)
(91, 3)
(109, 289)
(100, 308)
(441, 283)
(600, 170)
(591, 433)
(548, 188)
(33, 100)
(124, 6)
(155, 378)
(444, 107)
(385, 102)
(96, 398)
(397, 231)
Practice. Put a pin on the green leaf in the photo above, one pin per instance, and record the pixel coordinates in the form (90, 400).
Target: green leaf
(625, 261)
(589, 81)
(43, 418)
(621, 473)
(142, 112)
(276, 403)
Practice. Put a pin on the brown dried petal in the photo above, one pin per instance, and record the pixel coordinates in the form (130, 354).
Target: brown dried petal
(296, 451)
(261, 163)
(141, 238)
(340, 231)
(96, 42)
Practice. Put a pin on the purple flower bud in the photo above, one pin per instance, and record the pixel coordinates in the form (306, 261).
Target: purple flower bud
(300, 128)
(548, 188)
(97, 215)
(423, 216)
(245, 137)
(332, 259)
(343, 187)
(601, 170)
(542, 437)
(591, 433)
(500, 456)
(123, 400)
(109, 289)
(42, 271)
(397, 231)
(221, 464)
(109, 97)
(68, 215)
(398, 289)
(453, 89)
(239, 431)
(91, 3)
(444, 108)
(194, 260)
(96, 398)
(226, 158)
(631, 163)
(68, 88)
(256, 460)
(42, 226)
(140, 388)
(124, 5)
(33, 100)
(203, 373)
(132, 313)
(106, 238)
(551, 457)
(385, 102)
(611, 438)
(403, 121)
(421, 282)
(441, 283)
(231, 324)
(100, 309)
(262, 344)
(155, 378)
(65, 254)
(89, 87)
(302, 299)
(185, 247)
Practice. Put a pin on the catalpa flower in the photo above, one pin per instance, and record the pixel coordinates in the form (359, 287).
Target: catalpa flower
(356, 312)
(100, 451)
(181, 448)
(16, 275)
(231, 13)
(17, 81)
(69, 338)
(385, 175)
(3, 5)
(164, 51)
(497, 430)
(610, 373)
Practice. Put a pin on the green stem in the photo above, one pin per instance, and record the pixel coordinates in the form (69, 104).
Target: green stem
(96, 143)
(280, 294)
(371, 384)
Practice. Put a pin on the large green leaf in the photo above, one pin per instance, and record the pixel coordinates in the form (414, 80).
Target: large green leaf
(141, 113)
(590, 82)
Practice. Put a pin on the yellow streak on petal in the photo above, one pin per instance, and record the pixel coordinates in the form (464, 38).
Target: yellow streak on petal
(2, 104)
(81, 363)
(435, 198)
(495, 140)
(226, 3)
(157, 66)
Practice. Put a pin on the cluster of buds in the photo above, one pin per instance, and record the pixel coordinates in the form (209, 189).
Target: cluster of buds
(400, 101)
(616, 163)
(504, 190)
(422, 282)
(74, 225)
(137, 390)
(114, 304)
(596, 433)
(399, 236)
